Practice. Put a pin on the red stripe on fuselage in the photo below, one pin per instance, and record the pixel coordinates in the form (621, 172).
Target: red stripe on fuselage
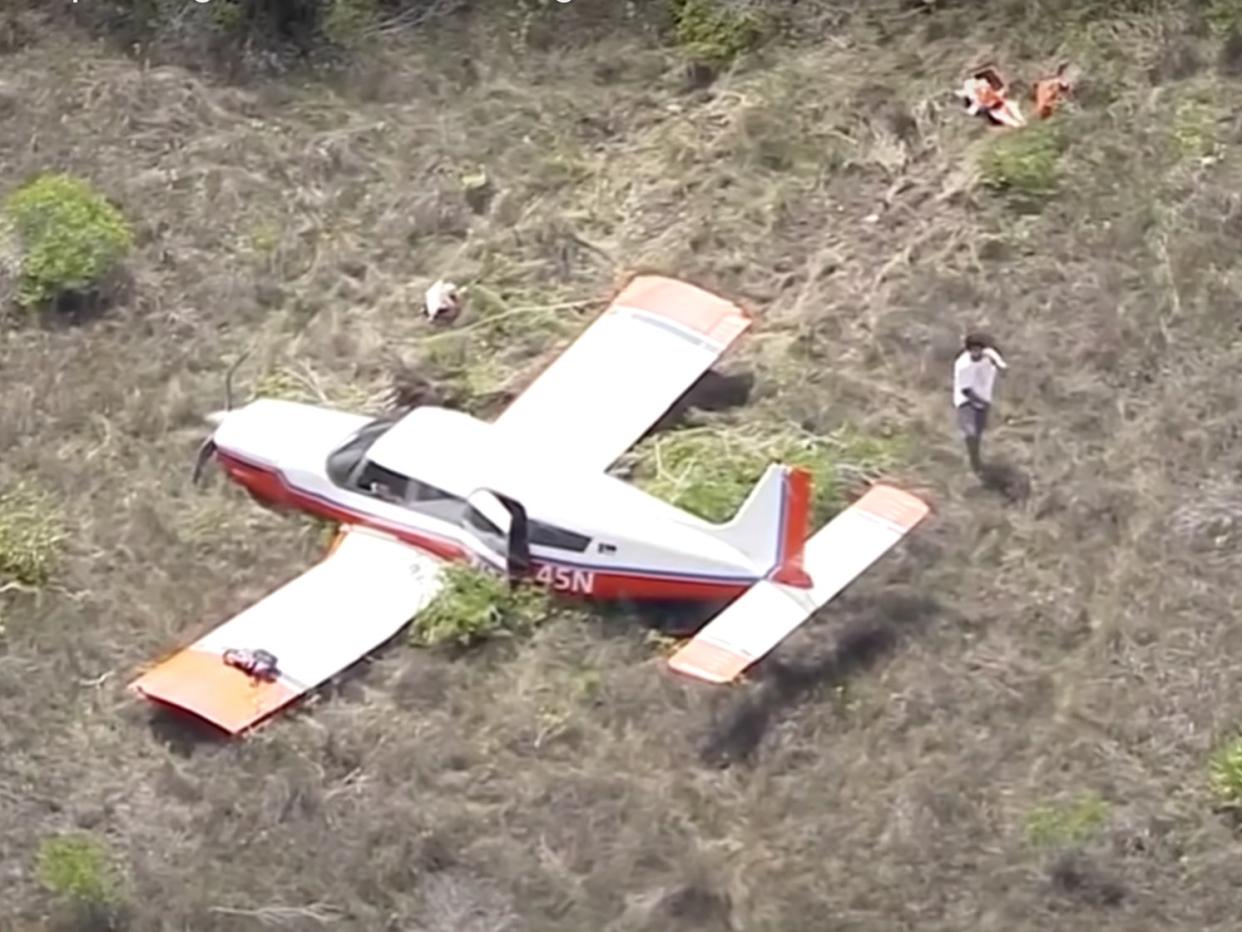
(608, 586)
(271, 487)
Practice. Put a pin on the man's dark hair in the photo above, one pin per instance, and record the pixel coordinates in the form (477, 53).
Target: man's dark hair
(976, 339)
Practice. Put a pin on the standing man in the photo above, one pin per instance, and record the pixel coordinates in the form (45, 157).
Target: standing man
(974, 377)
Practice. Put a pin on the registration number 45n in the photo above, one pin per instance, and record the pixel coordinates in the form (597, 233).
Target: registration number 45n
(564, 579)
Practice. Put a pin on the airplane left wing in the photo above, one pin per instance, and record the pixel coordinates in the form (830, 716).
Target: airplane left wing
(657, 337)
(352, 601)
(769, 611)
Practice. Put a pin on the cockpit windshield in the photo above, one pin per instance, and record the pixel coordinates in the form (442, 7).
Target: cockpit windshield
(343, 461)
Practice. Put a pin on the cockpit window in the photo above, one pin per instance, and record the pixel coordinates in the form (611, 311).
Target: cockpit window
(383, 483)
(343, 461)
(423, 492)
(544, 535)
(475, 520)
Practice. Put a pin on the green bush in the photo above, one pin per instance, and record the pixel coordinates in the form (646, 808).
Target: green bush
(475, 605)
(31, 535)
(1225, 774)
(1194, 129)
(345, 22)
(710, 471)
(76, 869)
(1223, 17)
(1024, 161)
(1061, 825)
(68, 235)
(709, 32)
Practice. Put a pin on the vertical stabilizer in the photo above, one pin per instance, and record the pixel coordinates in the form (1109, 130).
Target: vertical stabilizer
(772, 525)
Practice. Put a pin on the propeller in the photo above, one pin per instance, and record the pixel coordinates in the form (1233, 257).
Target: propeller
(205, 453)
(215, 419)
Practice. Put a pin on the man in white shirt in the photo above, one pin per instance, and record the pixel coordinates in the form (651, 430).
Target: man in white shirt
(974, 378)
(443, 302)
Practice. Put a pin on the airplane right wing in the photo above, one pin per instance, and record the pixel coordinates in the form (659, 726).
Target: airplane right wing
(652, 343)
(366, 589)
(769, 611)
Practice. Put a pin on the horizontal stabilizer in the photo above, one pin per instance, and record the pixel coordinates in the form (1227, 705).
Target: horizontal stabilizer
(318, 624)
(770, 611)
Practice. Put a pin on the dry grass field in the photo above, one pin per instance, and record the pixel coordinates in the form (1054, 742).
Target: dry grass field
(1006, 725)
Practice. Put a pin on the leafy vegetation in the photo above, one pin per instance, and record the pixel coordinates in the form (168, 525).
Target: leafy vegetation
(1225, 774)
(346, 21)
(1069, 824)
(1024, 162)
(69, 237)
(711, 33)
(710, 471)
(76, 869)
(1194, 128)
(31, 535)
(475, 606)
(1223, 17)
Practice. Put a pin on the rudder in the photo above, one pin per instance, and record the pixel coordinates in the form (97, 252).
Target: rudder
(771, 526)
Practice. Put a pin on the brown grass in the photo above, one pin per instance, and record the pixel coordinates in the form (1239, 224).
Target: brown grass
(880, 772)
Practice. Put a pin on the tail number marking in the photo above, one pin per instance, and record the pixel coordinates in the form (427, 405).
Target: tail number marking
(563, 579)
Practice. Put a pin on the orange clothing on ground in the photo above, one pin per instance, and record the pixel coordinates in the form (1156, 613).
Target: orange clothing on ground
(1048, 93)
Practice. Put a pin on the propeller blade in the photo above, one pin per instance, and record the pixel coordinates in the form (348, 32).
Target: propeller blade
(205, 453)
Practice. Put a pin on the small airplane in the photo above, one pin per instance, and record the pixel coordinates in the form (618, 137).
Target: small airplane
(528, 496)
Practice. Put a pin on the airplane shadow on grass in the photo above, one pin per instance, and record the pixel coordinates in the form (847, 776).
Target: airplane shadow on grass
(870, 636)
(183, 732)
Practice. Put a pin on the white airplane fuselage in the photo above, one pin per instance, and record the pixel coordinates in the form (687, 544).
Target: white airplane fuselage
(589, 534)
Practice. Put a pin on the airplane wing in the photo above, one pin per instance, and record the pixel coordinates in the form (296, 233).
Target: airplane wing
(656, 338)
(357, 597)
(769, 612)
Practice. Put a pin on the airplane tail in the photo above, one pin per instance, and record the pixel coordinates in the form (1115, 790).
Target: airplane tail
(772, 525)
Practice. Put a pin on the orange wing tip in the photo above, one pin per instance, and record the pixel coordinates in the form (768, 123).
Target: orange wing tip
(895, 506)
(693, 307)
(201, 683)
(710, 662)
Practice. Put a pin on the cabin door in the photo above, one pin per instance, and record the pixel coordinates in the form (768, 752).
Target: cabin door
(500, 523)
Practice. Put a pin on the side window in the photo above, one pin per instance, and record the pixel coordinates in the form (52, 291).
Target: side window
(476, 521)
(544, 535)
(422, 492)
(384, 483)
(342, 462)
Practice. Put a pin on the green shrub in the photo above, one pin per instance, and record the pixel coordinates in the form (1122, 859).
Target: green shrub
(345, 22)
(1223, 17)
(1225, 774)
(710, 471)
(1061, 825)
(1194, 128)
(709, 32)
(76, 869)
(475, 605)
(68, 235)
(227, 15)
(31, 535)
(1024, 161)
